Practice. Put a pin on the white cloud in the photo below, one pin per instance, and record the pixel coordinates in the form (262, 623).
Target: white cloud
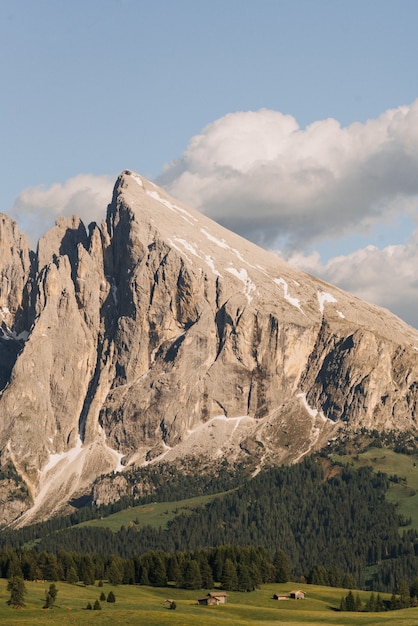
(385, 277)
(261, 175)
(36, 208)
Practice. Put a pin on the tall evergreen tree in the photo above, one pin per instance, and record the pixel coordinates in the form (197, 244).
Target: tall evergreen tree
(192, 578)
(350, 602)
(157, 573)
(72, 576)
(282, 567)
(244, 578)
(229, 578)
(115, 571)
(17, 589)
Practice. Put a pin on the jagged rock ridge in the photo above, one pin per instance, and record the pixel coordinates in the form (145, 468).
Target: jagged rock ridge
(161, 334)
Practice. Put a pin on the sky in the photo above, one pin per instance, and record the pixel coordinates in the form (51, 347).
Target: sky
(291, 122)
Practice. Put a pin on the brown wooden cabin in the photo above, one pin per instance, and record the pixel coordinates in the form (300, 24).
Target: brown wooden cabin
(213, 598)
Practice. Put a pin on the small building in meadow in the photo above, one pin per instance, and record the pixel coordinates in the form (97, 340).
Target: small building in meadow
(213, 598)
(292, 595)
(281, 596)
(168, 604)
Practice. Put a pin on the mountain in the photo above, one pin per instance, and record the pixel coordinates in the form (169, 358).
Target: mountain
(160, 334)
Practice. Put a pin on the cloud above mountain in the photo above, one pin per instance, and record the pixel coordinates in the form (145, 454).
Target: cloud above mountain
(85, 195)
(261, 175)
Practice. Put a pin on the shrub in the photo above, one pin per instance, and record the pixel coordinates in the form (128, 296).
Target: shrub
(111, 597)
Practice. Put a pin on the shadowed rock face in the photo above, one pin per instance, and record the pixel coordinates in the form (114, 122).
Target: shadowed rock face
(161, 334)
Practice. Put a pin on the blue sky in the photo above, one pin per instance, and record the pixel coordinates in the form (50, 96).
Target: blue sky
(293, 122)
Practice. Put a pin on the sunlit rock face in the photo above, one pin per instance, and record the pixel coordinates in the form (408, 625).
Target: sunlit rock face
(160, 334)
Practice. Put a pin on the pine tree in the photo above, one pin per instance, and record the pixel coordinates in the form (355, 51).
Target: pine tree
(86, 571)
(205, 571)
(192, 578)
(413, 590)
(115, 571)
(229, 579)
(282, 567)
(111, 597)
(50, 596)
(97, 606)
(405, 597)
(144, 569)
(128, 572)
(371, 603)
(13, 567)
(348, 581)
(72, 576)
(350, 602)
(244, 578)
(173, 569)
(395, 602)
(157, 574)
(17, 589)
(50, 568)
(318, 575)
(380, 605)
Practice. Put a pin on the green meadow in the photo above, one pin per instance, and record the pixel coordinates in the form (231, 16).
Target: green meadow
(403, 493)
(145, 606)
(155, 514)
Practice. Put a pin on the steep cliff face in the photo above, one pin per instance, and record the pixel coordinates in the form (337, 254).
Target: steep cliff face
(161, 334)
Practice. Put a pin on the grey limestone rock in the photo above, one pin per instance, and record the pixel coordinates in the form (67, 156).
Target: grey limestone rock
(160, 334)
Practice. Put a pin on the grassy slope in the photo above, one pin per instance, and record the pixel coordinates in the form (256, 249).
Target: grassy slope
(389, 462)
(156, 514)
(144, 605)
(405, 494)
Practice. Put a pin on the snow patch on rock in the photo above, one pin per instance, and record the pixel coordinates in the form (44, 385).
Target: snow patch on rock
(324, 297)
(137, 179)
(219, 242)
(209, 260)
(242, 275)
(293, 301)
(173, 207)
(187, 246)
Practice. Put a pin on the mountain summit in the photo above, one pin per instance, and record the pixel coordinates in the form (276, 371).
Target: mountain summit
(161, 334)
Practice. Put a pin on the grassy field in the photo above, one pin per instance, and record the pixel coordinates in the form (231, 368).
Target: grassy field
(404, 493)
(156, 514)
(145, 606)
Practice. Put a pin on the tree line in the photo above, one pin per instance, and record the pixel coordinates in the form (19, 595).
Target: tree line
(235, 568)
(329, 527)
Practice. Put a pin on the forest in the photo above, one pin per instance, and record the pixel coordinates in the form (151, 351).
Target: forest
(332, 524)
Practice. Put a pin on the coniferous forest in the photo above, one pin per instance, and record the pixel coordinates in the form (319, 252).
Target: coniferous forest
(300, 522)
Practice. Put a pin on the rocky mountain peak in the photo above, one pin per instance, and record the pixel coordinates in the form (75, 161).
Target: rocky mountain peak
(160, 334)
